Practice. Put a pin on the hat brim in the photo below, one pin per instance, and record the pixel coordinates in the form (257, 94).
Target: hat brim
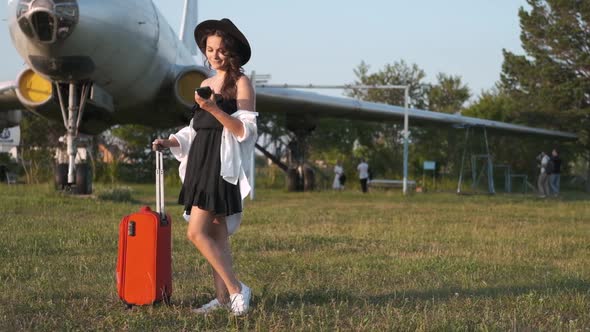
(228, 27)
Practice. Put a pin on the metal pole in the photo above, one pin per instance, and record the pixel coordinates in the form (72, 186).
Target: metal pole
(507, 179)
(253, 175)
(474, 179)
(491, 188)
(406, 136)
(158, 196)
(463, 161)
(71, 133)
(509, 182)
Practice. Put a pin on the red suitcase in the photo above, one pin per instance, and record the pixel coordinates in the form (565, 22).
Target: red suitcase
(144, 264)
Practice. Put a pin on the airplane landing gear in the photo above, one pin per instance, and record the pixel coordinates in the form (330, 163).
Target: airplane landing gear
(83, 171)
(61, 176)
(78, 176)
(83, 179)
(300, 177)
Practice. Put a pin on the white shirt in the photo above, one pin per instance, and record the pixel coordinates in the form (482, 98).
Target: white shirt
(338, 170)
(544, 163)
(363, 169)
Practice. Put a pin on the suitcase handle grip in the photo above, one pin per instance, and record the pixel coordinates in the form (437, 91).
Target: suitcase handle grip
(131, 228)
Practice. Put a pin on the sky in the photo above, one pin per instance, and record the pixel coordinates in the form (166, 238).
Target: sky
(322, 41)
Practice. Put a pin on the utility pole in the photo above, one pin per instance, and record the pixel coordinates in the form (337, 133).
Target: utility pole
(406, 137)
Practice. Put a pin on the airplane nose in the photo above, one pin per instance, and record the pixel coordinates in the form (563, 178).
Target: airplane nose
(47, 21)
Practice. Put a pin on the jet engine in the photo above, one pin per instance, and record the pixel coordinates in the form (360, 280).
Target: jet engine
(33, 91)
(186, 82)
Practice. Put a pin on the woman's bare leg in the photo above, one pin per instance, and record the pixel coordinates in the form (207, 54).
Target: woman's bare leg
(221, 292)
(220, 236)
(200, 232)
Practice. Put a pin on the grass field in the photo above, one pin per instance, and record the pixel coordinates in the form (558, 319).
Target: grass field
(316, 261)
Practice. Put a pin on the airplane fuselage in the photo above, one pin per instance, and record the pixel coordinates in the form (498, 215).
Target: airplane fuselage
(124, 47)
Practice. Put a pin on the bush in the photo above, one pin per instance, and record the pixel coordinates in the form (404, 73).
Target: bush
(270, 177)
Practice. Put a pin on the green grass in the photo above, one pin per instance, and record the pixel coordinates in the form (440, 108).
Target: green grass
(316, 262)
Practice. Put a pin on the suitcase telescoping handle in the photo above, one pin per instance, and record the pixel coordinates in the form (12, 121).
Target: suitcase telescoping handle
(160, 187)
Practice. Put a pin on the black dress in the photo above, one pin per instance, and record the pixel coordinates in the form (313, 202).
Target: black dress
(203, 186)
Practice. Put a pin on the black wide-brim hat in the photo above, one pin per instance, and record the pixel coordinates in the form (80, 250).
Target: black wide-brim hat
(228, 27)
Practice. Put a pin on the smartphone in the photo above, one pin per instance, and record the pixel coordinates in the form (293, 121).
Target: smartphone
(204, 92)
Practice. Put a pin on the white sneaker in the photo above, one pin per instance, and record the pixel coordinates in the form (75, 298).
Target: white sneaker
(240, 302)
(213, 305)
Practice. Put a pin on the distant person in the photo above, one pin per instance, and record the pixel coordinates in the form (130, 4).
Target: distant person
(339, 177)
(543, 181)
(213, 151)
(554, 178)
(363, 170)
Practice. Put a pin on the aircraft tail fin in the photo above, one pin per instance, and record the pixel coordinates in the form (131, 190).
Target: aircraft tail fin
(189, 21)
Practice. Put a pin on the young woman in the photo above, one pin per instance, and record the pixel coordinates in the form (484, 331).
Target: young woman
(215, 151)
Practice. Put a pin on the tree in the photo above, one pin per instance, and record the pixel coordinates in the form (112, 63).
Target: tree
(139, 159)
(448, 95)
(551, 83)
(493, 105)
(381, 143)
(333, 140)
(37, 146)
(399, 73)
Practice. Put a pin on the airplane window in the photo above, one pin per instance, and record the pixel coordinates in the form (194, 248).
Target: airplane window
(67, 16)
(21, 9)
(44, 25)
(70, 10)
(25, 27)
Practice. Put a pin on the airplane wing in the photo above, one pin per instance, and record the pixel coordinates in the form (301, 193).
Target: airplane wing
(285, 100)
(8, 99)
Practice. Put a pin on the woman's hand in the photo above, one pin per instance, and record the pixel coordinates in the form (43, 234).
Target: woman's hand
(208, 105)
(161, 143)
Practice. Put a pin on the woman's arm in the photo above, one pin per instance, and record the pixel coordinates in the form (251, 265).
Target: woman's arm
(245, 101)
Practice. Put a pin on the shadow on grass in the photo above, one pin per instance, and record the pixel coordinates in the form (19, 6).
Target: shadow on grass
(324, 296)
(576, 196)
(569, 196)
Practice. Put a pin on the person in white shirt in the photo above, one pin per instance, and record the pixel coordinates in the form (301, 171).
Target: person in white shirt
(215, 151)
(543, 181)
(363, 170)
(339, 177)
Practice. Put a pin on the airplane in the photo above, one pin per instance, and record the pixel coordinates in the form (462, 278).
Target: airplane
(93, 65)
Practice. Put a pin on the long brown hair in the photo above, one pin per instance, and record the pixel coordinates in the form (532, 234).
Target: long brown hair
(232, 62)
